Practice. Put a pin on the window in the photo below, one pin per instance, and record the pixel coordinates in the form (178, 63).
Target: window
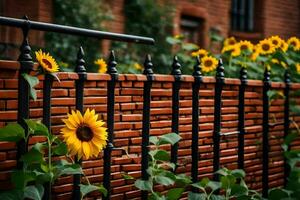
(242, 15)
(192, 29)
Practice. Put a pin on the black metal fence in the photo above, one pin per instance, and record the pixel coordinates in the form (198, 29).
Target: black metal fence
(26, 65)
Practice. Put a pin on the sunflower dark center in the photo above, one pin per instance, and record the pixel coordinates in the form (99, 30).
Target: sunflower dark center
(265, 47)
(275, 42)
(244, 47)
(208, 63)
(84, 133)
(293, 43)
(231, 42)
(49, 65)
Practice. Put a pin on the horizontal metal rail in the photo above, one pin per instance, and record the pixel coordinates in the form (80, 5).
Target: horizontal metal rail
(41, 26)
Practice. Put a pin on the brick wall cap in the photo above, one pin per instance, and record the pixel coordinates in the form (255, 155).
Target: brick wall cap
(277, 85)
(255, 83)
(98, 76)
(295, 86)
(232, 81)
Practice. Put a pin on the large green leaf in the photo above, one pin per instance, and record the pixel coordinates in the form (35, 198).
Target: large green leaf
(238, 173)
(143, 185)
(85, 189)
(161, 155)
(34, 192)
(175, 193)
(163, 180)
(37, 127)
(196, 196)
(153, 140)
(15, 194)
(70, 169)
(12, 133)
(170, 138)
(227, 181)
(32, 81)
(32, 156)
(20, 178)
(278, 194)
(238, 190)
(60, 149)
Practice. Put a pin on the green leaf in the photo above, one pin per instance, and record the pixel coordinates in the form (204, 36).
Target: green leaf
(217, 197)
(170, 138)
(238, 173)
(175, 193)
(127, 176)
(227, 181)
(161, 155)
(153, 140)
(278, 194)
(143, 185)
(190, 46)
(34, 192)
(32, 81)
(70, 169)
(20, 178)
(290, 138)
(223, 172)
(32, 156)
(196, 196)
(182, 180)
(85, 189)
(172, 40)
(37, 127)
(163, 180)
(60, 149)
(214, 185)
(14, 194)
(238, 190)
(12, 133)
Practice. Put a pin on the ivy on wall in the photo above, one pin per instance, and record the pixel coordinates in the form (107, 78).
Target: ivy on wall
(151, 19)
(85, 14)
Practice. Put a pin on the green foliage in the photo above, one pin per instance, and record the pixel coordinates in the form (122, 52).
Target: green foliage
(38, 167)
(85, 14)
(146, 18)
(32, 82)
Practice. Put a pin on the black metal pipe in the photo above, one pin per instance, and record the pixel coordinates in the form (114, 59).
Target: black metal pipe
(112, 70)
(241, 112)
(26, 65)
(217, 118)
(195, 120)
(146, 119)
(47, 84)
(265, 145)
(287, 81)
(176, 72)
(79, 89)
(70, 30)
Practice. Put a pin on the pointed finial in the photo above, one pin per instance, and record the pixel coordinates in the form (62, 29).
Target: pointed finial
(197, 69)
(243, 75)
(25, 49)
(148, 65)
(220, 72)
(111, 68)
(176, 67)
(80, 61)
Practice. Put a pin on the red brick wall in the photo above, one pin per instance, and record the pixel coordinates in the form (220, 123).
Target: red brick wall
(128, 123)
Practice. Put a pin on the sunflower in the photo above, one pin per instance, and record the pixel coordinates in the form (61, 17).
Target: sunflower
(201, 53)
(102, 65)
(229, 41)
(295, 43)
(208, 63)
(298, 67)
(276, 41)
(266, 47)
(284, 46)
(233, 49)
(245, 45)
(46, 61)
(84, 135)
(137, 66)
(255, 53)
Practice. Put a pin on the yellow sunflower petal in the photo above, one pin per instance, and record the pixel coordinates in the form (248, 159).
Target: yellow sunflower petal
(86, 150)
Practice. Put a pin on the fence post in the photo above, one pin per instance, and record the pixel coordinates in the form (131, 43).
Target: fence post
(112, 71)
(47, 84)
(79, 89)
(217, 118)
(241, 123)
(265, 147)
(26, 65)
(146, 119)
(195, 120)
(176, 72)
(287, 81)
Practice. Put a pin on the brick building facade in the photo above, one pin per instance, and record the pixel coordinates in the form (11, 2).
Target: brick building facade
(245, 19)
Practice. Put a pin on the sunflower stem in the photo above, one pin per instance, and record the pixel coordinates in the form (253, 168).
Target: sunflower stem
(49, 164)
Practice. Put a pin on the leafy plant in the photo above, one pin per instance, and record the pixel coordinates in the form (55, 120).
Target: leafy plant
(38, 166)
